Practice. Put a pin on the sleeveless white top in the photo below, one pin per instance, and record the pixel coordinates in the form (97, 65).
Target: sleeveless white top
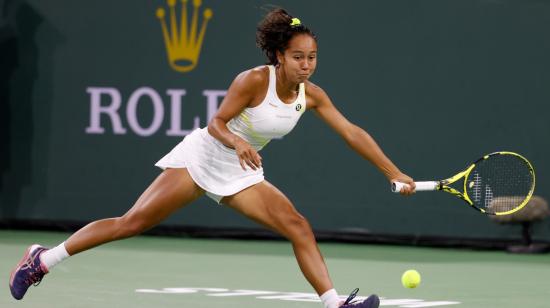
(214, 166)
(272, 118)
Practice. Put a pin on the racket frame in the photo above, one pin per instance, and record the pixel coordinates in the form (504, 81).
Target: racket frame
(444, 184)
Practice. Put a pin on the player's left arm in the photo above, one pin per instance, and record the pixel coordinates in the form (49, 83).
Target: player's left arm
(356, 137)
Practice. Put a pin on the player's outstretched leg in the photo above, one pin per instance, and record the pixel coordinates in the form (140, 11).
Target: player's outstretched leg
(171, 190)
(29, 271)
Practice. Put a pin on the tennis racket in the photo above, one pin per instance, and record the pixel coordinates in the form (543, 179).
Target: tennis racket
(499, 183)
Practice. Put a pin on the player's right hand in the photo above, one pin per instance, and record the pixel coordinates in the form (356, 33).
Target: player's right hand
(408, 189)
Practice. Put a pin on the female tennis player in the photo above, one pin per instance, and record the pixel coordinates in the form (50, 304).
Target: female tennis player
(222, 161)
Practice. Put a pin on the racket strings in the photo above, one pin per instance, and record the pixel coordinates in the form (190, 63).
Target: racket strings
(500, 183)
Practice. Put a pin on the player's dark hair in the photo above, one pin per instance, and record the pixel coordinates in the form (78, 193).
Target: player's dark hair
(275, 31)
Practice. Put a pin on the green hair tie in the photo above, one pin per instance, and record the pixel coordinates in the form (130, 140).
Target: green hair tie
(295, 22)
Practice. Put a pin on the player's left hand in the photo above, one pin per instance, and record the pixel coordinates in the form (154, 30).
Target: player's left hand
(408, 189)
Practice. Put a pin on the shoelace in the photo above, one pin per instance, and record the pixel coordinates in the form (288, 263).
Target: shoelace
(351, 297)
(35, 272)
(35, 278)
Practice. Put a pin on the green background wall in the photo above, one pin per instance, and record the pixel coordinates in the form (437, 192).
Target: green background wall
(437, 83)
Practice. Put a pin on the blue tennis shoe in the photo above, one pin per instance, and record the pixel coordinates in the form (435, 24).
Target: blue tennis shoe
(29, 271)
(371, 302)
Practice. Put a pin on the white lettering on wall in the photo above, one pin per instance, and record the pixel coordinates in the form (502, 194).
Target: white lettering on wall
(175, 111)
(131, 111)
(106, 104)
(111, 110)
(212, 102)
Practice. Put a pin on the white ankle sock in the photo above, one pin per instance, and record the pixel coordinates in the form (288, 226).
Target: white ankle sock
(53, 256)
(330, 299)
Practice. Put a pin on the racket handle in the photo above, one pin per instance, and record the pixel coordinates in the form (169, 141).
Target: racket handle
(420, 186)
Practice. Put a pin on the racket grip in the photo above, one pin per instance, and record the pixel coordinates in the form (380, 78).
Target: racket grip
(420, 186)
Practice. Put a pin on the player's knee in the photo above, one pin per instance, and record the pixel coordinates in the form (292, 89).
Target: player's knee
(297, 228)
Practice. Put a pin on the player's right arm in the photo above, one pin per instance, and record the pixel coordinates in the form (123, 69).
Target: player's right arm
(245, 91)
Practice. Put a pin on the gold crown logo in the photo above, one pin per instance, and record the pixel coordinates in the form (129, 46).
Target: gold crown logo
(183, 45)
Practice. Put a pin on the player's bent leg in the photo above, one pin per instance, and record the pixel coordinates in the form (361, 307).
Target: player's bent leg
(268, 206)
(171, 190)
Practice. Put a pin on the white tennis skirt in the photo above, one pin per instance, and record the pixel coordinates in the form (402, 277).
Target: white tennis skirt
(212, 165)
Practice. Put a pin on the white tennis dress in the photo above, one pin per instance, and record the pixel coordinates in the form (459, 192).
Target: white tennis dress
(214, 166)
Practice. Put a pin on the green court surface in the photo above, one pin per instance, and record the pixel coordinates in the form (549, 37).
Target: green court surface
(159, 272)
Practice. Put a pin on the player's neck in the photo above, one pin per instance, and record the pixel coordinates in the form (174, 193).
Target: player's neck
(285, 88)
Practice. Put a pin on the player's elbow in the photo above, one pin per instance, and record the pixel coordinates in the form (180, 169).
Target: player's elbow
(213, 125)
(353, 135)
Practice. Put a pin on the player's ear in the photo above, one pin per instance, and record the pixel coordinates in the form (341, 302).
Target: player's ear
(280, 57)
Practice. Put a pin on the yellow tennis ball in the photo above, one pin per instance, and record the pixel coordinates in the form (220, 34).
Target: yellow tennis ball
(410, 279)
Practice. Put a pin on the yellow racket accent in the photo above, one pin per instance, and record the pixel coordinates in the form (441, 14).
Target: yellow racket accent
(444, 185)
